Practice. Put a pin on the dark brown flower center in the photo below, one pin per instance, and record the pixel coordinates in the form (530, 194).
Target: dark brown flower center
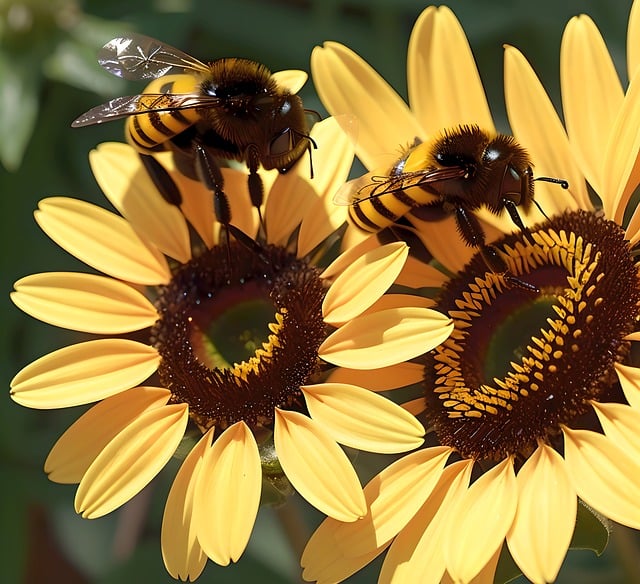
(521, 363)
(238, 340)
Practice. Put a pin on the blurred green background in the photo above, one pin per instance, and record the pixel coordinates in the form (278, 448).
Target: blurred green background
(48, 76)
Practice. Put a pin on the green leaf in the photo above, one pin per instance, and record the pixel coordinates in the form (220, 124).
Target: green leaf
(19, 88)
(592, 531)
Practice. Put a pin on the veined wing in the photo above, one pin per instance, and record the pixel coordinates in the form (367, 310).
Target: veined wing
(137, 56)
(127, 105)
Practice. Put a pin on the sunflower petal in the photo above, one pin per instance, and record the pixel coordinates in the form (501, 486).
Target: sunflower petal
(83, 373)
(382, 379)
(346, 84)
(181, 551)
(386, 338)
(361, 419)
(290, 79)
(129, 462)
(591, 94)
(477, 526)
(416, 554)
(537, 126)
(417, 274)
(545, 518)
(101, 240)
(79, 446)
(125, 182)
(393, 497)
(445, 89)
(633, 40)
(620, 423)
(228, 494)
(363, 282)
(629, 378)
(322, 220)
(84, 302)
(317, 467)
(604, 475)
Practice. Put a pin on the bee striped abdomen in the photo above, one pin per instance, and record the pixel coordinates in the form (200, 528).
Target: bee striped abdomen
(147, 131)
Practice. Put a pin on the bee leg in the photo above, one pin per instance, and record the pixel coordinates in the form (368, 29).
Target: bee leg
(162, 180)
(495, 262)
(256, 186)
(210, 175)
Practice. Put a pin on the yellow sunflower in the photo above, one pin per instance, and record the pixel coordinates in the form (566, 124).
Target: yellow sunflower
(534, 400)
(233, 344)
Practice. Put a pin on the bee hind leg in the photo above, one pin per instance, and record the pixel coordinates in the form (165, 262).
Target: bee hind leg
(209, 173)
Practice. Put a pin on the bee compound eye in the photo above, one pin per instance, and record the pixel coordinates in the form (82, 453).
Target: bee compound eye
(282, 143)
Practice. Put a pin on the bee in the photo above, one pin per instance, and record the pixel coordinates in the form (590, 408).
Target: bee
(459, 172)
(232, 109)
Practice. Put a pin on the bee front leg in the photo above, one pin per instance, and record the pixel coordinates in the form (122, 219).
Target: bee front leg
(210, 175)
(256, 186)
(495, 262)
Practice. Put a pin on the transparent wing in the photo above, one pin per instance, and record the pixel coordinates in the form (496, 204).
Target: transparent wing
(137, 56)
(127, 105)
(373, 185)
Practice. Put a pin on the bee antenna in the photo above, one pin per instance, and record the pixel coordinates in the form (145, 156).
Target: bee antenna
(541, 209)
(558, 181)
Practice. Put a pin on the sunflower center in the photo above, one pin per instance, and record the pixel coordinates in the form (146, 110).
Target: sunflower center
(519, 364)
(239, 338)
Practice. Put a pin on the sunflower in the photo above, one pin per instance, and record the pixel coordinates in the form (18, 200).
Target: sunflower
(534, 400)
(219, 345)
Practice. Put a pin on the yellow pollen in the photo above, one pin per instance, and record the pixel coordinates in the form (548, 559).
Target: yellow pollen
(557, 354)
(552, 369)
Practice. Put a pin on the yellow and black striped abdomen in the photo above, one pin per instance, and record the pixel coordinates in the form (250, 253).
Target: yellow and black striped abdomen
(147, 131)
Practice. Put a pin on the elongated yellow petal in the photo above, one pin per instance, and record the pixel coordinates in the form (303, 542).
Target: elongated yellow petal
(83, 373)
(604, 475)
(536, 125)
(347, 84)
(417, 274)
(479, 523)
(398, 301)
(383, 379)
(545, 518)
(416, 554)
(228, 494)
(363, 282)
(101, 240)
(317, 467)
(393, 497)
(290, 79)
(181, 551)
(386, 338)
(129, 462)
(84, 302)
(352, 252)
(243, 214)
(323, 219)
(633, 40)
(629, 378)
(591, 94)
(79, 446)
(125, 182)
(621, 165)
(620, 423)
(445, 89)
(361, 419)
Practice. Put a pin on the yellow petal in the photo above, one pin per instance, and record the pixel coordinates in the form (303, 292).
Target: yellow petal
(547, 505)
(393, 497)
(620, 423)
(479, 523)
(445, 89)
(228, 494)
(399, 300)
(101, 240)
(629, 378)
(591, 94)
(621, 165)
(322, 220)
(129, 462)
(290, 79)
(361, 419)
(386, 338)
(182, 554)
(536, 125)
(417, 274)
(346, 84)
(381, 379)
(415, 406)
(83, 373)
(604, 475)
(317, 467)
(125, 182)
(84, 302)
(363, 282)
(416, 554)
(633, 40)
(79, 446)
(350, 255)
